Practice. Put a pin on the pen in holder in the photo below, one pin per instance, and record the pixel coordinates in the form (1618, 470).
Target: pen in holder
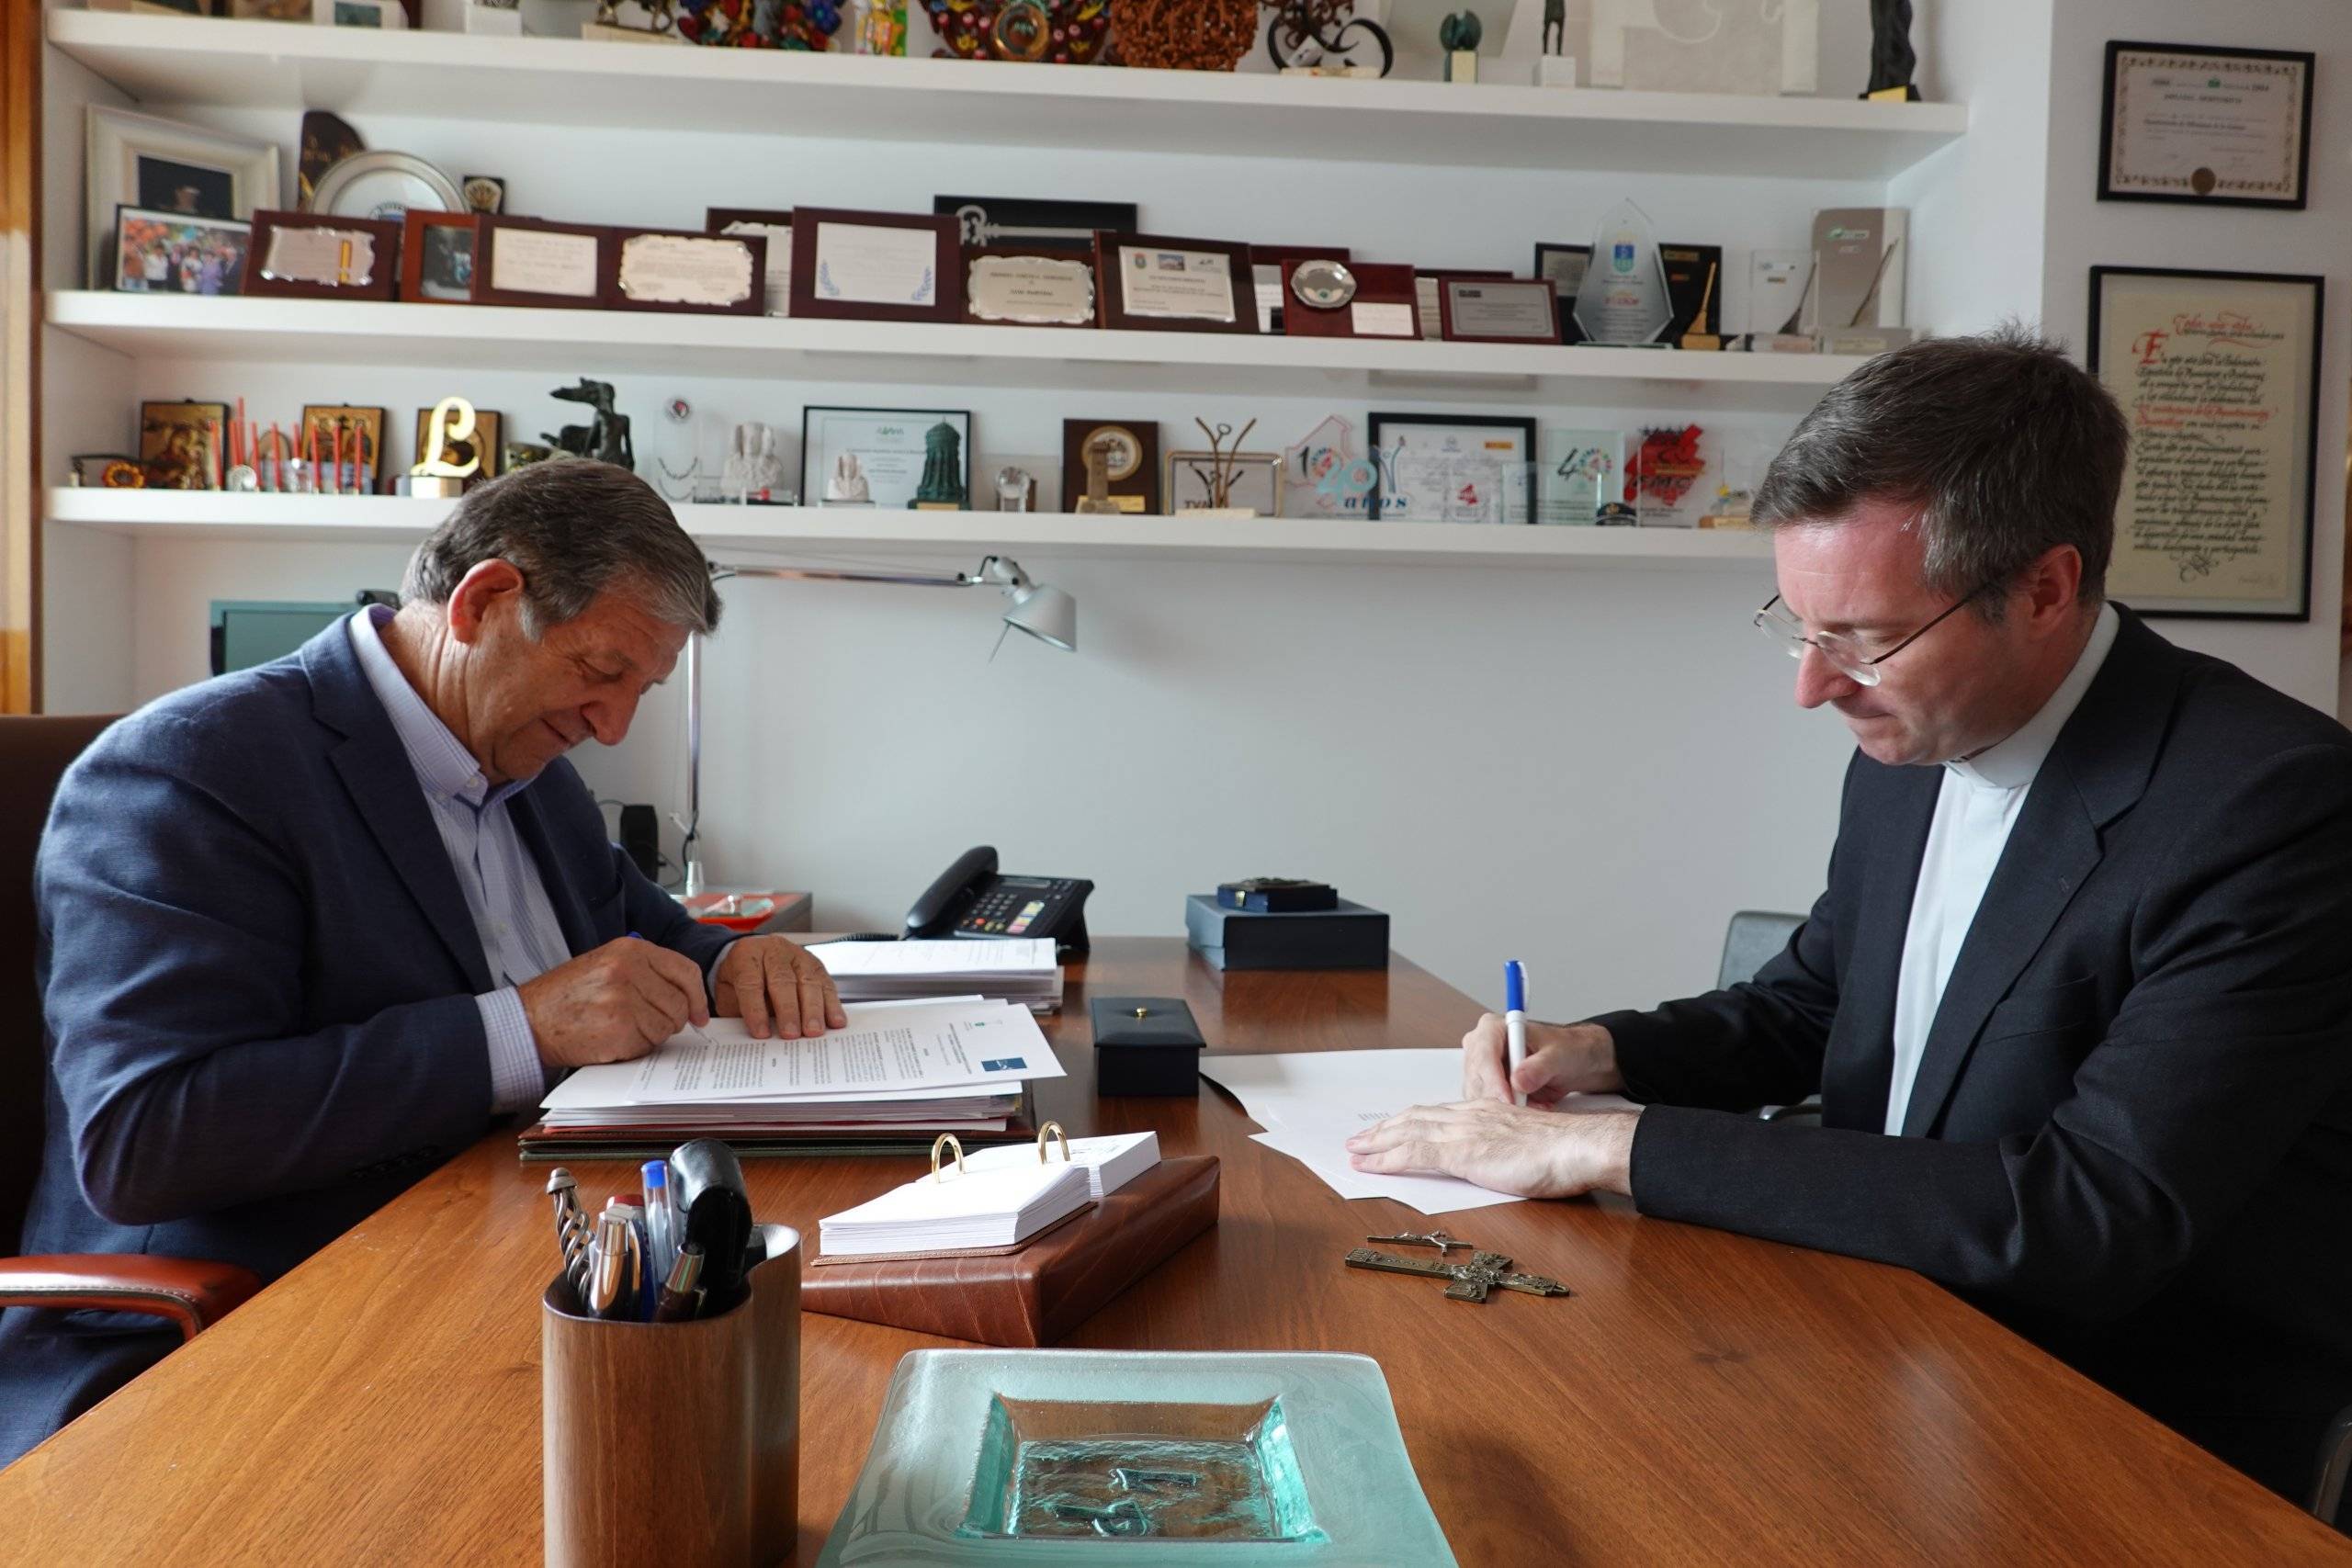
(675, 1442)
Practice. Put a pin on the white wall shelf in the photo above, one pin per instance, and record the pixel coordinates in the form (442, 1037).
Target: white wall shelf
(809, 532)
(168, 60)
(465, 337)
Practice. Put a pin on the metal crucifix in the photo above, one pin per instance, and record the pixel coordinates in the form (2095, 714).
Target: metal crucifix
(1469, 1282)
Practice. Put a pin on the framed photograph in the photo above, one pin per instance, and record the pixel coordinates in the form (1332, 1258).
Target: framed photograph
(437, 256)
(711, 275)
(484, 445)
(1439, 468)
(775, 226)
(1040, 227)
(1497, 310)
(1257, 482)
(161, 165)
(1326, 297)
(1132, 462)
(851, 456)
(178, 444)
(2218, 373)
(1152, 283)
(1014, 288)
(875, 267)
(168, 253)
(522, 261)
(302, 256)
(386, 15)
(106, 471)
(350, 446)
(2202, 124)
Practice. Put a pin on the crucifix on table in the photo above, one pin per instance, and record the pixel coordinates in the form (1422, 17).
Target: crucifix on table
(1470, 1281)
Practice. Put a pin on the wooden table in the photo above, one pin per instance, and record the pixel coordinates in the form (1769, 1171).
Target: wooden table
(1703, 1398)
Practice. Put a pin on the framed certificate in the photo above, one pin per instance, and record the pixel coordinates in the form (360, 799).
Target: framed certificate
(851, 456)
(1009, 287)
(875, 267)
(773, 226)
(304, 256)
(1508, 310)
(522, 261)
(1155, 284)
(2202, 124)
(656, 269)
(2218, 373)
(1452, 469)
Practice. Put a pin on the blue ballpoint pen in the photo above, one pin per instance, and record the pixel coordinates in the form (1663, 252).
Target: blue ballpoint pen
(1515, 1024)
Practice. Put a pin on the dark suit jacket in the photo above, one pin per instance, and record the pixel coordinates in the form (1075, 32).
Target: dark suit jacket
(259, 977)
(2130, 1136)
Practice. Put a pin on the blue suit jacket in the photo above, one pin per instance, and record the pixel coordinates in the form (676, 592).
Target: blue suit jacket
(259, 976)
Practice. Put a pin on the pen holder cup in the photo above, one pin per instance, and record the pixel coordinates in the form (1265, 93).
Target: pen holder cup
(675, 1442)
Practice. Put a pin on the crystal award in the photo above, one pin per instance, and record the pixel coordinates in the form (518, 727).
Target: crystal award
(1622, 300)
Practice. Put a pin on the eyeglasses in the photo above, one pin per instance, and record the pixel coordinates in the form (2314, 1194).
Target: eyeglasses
(1845, 655)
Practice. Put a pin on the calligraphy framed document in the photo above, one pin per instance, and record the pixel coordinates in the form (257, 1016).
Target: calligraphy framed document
(2218, 373)
(2206, 125)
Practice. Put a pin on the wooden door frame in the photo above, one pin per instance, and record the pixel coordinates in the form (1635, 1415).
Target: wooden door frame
(21, 42)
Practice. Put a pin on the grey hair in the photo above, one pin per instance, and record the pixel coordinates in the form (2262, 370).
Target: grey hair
(573, 528)
(2006, 447)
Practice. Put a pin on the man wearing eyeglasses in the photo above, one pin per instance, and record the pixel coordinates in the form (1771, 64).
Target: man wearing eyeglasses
(2077, 1001)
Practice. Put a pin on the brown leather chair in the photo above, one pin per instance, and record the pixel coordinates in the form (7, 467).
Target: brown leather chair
(34, 753)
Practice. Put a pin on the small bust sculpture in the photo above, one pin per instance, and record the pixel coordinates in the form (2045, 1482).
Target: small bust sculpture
(848, 480)
(753, 472)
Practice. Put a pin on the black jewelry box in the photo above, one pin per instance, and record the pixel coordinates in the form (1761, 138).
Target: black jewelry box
(1145, 1045)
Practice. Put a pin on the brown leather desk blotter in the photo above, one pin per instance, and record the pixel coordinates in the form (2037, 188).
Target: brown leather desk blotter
(1033, 1296)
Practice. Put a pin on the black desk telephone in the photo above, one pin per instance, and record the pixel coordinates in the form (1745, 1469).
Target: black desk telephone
(971, 899)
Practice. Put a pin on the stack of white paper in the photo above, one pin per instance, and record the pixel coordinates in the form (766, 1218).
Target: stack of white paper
(1110, 1162)
(1022, 969)
(1311, 1102)
(956, 1211)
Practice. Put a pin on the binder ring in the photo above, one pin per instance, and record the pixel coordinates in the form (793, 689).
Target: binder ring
(946, 1141)
(1056, 1129)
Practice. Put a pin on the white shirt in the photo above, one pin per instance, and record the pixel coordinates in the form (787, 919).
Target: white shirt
(1975, 808)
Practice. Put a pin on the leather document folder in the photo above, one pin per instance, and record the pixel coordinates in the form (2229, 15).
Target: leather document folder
(1036, 1294)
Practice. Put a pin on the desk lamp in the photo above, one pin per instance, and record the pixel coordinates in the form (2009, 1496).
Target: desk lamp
(1044, 612)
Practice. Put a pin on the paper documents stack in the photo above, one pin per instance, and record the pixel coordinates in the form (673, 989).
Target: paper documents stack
(900, 1071)
(1022, 970)
(953, 1211)
(1310, 1103)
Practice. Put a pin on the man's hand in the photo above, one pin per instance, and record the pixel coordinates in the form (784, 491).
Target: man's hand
(767, 980)
(614, 1003)
(1506, 1149)
(1562, 1058)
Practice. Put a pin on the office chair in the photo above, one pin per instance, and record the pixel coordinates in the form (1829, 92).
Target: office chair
(1754, 938)
(34, 753)
(2334, 1464)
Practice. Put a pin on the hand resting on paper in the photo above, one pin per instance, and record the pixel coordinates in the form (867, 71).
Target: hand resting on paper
(612, 1004)
(772, 981)
(1524, 1149)
(1562, 1059)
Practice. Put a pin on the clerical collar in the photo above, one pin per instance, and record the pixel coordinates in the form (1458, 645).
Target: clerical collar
(2012, 763)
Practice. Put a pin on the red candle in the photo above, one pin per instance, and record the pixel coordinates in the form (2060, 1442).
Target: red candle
(335, 451)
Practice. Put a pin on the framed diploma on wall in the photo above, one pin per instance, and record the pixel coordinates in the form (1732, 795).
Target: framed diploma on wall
(2202, 124)
(1151, 283)
(1453, 468)
(2218, 373)
(875, 267)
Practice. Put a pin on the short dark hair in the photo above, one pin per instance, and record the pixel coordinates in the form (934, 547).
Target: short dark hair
(2007, 447)
(573, 528)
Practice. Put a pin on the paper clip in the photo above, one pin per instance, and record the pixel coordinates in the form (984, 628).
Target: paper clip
(949, 1140)
(1056, 1129)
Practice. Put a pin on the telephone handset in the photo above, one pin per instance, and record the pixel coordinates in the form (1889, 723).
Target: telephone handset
(971, 899)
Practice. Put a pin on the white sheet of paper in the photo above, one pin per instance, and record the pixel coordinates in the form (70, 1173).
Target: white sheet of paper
(1324, 1154)
(1283, 1086)
(934, 957)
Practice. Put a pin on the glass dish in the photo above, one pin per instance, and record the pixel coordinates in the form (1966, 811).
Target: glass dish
(1005, 1458)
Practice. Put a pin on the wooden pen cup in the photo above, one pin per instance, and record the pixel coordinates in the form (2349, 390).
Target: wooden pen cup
(675, 1442)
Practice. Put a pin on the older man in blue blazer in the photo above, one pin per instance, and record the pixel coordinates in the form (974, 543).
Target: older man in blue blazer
(307, 929)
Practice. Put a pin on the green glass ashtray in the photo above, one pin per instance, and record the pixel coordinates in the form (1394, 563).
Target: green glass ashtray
(1070, 1457)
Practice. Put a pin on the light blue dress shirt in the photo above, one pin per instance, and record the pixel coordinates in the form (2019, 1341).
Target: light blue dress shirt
(512, 917)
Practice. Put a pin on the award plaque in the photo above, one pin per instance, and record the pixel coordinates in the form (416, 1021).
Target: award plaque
(1130, 456)
(1029, 290)
(1624, 300)
(885, 457)
(304, 256)
(1151, 283)
(708, 274)
(875, 267)
(1266, 276)
(521, 261)
(1509, 310)
(1429, 309)
(1323, 298)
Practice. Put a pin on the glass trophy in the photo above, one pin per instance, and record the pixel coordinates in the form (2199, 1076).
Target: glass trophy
(1622, 301)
